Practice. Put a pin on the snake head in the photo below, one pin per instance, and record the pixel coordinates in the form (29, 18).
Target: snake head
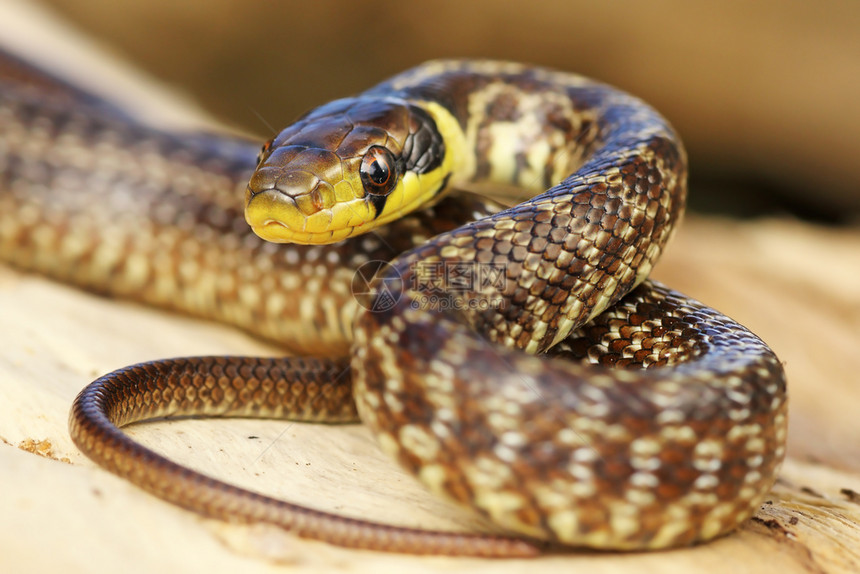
(346, 168)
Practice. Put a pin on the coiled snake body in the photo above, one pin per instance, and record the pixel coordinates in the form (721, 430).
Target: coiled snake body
(520, 364)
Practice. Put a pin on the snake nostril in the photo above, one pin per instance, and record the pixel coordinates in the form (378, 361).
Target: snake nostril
(317, 199)
(306, 204)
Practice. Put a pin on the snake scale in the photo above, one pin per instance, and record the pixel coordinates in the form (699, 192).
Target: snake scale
(517, 360)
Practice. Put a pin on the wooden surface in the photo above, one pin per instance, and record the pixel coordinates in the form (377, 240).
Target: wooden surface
(54, 340)
(795, 284)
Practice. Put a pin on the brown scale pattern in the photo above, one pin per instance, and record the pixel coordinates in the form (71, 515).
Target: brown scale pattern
(567, 451)
(617, 459)
(582, 455)
(640, 331)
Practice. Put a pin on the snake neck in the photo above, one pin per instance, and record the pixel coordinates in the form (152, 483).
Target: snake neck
(614, 175)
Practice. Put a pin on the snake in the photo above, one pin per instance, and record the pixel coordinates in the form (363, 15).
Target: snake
(516, 359)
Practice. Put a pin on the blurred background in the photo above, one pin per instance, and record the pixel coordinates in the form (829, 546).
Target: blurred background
(766, 95)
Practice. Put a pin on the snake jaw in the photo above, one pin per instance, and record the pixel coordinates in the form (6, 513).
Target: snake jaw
(279, 218)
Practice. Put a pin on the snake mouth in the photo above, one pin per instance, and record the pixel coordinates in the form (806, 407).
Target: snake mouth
(276, 232)
(277, 217)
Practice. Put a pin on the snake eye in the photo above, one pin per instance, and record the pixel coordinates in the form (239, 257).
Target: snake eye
(378, 171)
